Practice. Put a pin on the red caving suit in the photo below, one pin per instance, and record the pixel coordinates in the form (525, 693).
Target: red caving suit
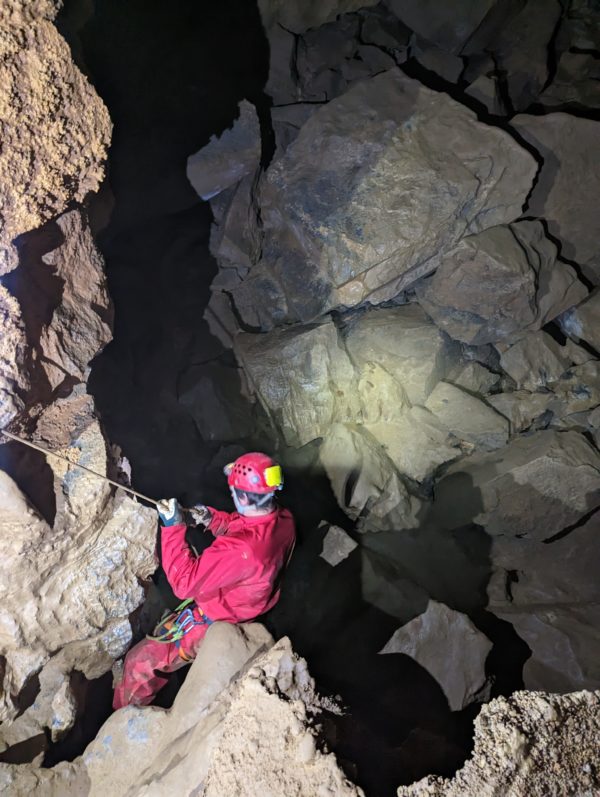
(234, 580)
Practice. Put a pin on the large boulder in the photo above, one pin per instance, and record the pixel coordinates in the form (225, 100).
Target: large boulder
(535, 487)
(303, 377)
(391, 149)
(567, 192)
(227, 158)
(55, 128)
(449, 647)
(497, 284)
(535, 360)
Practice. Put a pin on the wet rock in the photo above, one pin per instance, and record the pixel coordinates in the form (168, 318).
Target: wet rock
(535, 361)
(405, 345)
(534, 487)
(227, 158)
(324, 244)
(337, 546)
(450, 26)
(467, 418)
(80, 324)
(529, 743)
(55, 128)
(364, 481)
(303, 377)
(568, 189)
(583, 322)
(449, 647)
(497, 284)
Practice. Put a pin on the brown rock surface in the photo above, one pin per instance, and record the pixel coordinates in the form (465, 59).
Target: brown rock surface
(55, 129)
(532, 744)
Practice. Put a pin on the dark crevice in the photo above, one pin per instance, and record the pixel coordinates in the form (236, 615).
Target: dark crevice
(573, 527)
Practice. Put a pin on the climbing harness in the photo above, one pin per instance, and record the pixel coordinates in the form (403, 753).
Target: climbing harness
(176, 624)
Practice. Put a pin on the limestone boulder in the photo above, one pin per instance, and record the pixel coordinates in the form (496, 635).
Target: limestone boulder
(365, 482)
(79, 579)
(300, 17)
(391, 149)
(535, 487)
(241, 724)
(337, 546)
(521, 407)
(446, 644)
(575, 83)
(467, 418)
(403, 343)
(473, 377)
(303, 378)
(227, 158)
(535, 361)
(497, 284)
(55, 128)
(568, 189)
(529, 743)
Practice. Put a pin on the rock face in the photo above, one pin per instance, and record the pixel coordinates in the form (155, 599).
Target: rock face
(495, 285)
(225, 160)
(568, 147)
(449, 647)
(383, 152)
(583, 322)
(531, 743)
(309, 15)
(241, 724)
(55, 129)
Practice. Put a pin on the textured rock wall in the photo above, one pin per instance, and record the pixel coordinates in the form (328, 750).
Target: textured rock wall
(407, 287)
(69, 581)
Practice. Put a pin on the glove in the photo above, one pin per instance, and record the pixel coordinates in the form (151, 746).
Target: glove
(169, 512)
(200, 515)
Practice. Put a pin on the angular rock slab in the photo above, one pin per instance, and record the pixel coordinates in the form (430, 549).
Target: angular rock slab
(337, 546)
(55, 128)
(567, 193)
(535, 361)
(227, 158)
(497, 284)
(303, 377)
(583, 322)
(449, 647)
(379, 183)
(535, 487)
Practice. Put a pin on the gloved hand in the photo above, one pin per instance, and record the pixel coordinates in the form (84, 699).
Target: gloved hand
(200, 515)
(169, 512)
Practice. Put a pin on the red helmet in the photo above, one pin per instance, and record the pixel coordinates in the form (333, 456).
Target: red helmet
(254, 473)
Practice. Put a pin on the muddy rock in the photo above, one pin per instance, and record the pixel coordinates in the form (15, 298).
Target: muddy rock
(530, 743)
(449, 647)
(55, 128)
(568, 189)
(497, 284)
(359, 159)
(227, 158)
(534, 487)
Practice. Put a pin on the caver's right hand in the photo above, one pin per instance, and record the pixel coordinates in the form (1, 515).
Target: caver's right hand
(169, 512)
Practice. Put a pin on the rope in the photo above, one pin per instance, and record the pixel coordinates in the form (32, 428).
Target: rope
(77, 465)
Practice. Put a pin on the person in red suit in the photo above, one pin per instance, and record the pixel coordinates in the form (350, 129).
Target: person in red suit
(234, 580)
